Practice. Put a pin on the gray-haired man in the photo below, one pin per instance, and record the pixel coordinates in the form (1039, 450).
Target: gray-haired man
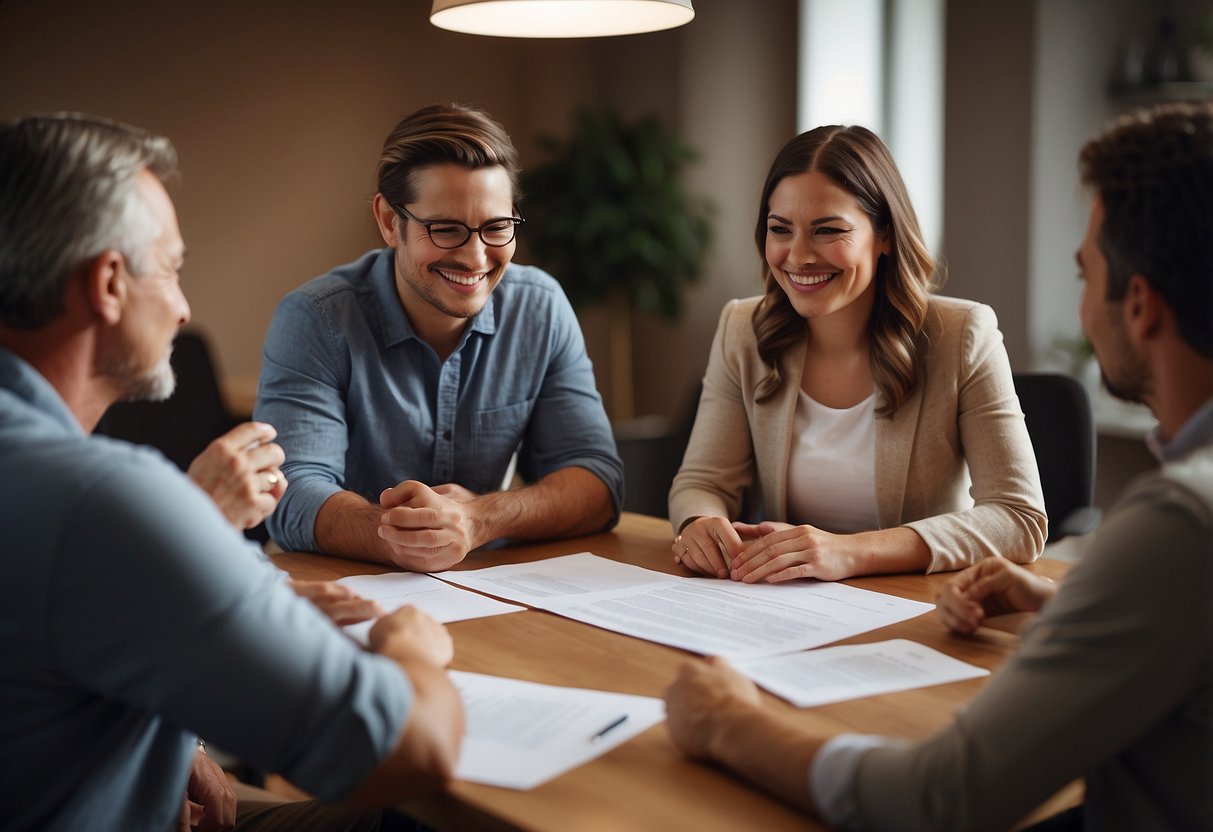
(136, 617)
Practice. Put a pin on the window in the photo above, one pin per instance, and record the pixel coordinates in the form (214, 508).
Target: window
(880, 63)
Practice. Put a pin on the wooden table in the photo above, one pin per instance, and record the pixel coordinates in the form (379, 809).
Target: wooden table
(646, 784)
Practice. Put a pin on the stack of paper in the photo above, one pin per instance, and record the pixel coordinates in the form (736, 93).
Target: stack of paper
(394, 590)
(852, 671)
(712, 617)
(522, 734)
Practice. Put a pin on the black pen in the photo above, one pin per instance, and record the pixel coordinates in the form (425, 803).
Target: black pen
(610, 727)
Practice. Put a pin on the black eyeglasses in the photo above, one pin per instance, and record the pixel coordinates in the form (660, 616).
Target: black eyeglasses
(496, 232)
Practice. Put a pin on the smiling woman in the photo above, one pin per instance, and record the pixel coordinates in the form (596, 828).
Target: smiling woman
(849, 403)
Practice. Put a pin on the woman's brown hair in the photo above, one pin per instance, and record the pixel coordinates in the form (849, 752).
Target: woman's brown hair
(856, 160)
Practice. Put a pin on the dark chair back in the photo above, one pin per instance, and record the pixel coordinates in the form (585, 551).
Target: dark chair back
(651, 450)
(652, 453)
(1058, 416)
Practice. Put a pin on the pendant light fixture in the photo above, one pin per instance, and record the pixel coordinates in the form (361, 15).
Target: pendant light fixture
(559, 18)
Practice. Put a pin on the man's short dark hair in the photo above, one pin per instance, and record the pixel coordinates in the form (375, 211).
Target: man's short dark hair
(1153, 172)
(443, 134)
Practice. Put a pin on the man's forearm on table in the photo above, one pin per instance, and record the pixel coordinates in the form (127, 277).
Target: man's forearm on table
(565, 503)
(348, 525)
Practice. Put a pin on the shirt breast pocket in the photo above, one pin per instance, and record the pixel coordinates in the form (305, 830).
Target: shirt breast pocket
(496, 434)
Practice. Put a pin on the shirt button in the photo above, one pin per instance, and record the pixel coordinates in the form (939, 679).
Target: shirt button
(446, 434)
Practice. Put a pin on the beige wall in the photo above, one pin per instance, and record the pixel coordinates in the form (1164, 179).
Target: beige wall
(735, 101)
(987, 106)
(278, 111)
(1027, 84)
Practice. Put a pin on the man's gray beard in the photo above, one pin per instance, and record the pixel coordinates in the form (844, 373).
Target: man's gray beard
(154, 386)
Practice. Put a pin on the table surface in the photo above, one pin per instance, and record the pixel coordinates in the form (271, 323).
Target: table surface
(646, 783)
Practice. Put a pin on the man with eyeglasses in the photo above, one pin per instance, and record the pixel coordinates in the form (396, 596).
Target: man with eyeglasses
(405, 385)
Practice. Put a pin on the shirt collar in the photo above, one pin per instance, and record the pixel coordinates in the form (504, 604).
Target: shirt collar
(1197, 431)
(395, 323)
(20, 378)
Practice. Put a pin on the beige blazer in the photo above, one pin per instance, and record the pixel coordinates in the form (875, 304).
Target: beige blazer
(962, 425)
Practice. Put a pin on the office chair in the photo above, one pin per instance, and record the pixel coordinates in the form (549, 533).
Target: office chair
(184, 424)
(651, 449)
(1058, 416)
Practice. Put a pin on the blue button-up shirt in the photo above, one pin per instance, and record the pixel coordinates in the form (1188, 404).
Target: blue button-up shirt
(138, 617)
(1194, 433)
(362, 403)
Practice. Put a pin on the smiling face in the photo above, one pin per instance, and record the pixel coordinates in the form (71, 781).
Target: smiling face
(441, 288)
(821, 247)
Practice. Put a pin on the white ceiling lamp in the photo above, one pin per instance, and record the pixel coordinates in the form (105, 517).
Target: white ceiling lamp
(559, 18)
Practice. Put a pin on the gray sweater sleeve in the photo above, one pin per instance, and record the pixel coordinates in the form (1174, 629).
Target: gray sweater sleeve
(1112, 682)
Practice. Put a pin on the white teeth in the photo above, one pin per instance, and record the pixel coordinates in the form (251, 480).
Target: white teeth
(810, 280)
(462, 279)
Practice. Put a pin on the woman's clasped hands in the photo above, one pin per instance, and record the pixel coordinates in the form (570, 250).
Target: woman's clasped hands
(770, 552)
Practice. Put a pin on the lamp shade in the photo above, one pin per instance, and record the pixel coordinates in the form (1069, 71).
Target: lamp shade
(559, 18)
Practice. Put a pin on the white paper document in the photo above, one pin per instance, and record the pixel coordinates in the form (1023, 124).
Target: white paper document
(853, 671)
(703, 615)
(522, 734)
(444, 602)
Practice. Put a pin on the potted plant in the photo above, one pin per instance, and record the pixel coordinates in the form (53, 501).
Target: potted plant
(608, 215)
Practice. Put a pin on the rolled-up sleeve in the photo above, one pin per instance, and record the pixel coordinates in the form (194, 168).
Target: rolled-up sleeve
(1090, 693)
(1007, 518)
(568, 426)
(302, 393)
